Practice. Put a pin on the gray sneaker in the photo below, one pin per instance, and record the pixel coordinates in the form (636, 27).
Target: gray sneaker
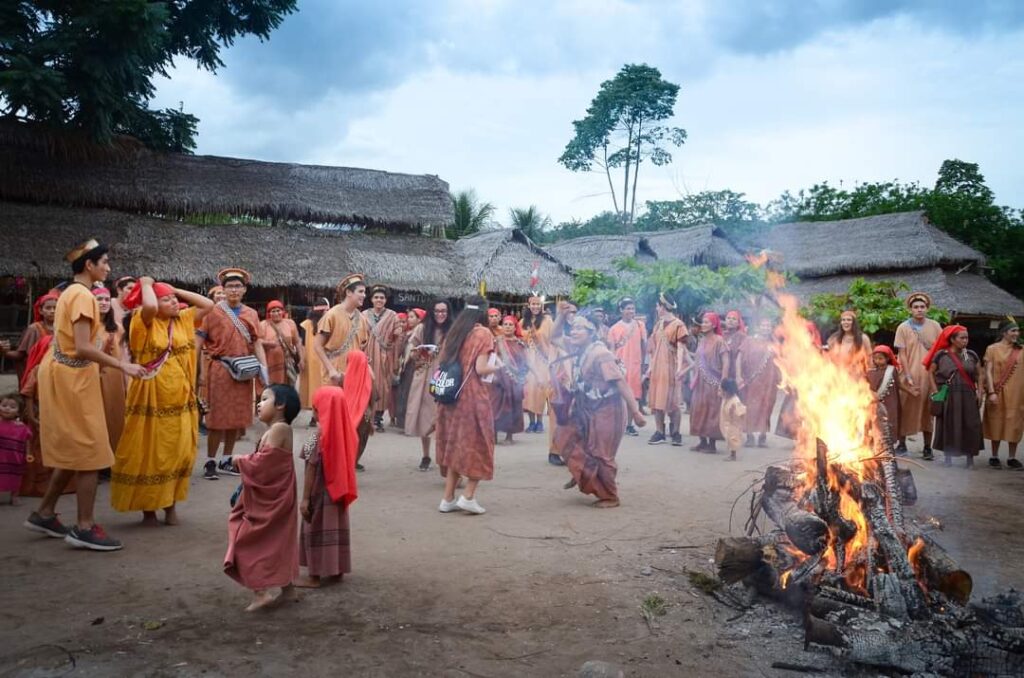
(51, 527)
(225, 466)
(94, 539)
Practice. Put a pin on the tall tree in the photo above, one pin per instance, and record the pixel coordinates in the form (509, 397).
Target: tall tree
(530, 221)
(89, 66)
(722, 208)
(621, 130)
(471, 215)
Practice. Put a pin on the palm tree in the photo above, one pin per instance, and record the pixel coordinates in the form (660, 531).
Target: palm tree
(470, 215)
(530, 221)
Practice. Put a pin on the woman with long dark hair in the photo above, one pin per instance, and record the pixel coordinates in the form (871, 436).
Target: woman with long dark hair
(537, 328)
(465, 428)
(112, 381)
(421, 411)
(849, 346)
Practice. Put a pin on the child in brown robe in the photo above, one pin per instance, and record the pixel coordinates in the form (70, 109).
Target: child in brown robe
(263, 538)
(887, 379)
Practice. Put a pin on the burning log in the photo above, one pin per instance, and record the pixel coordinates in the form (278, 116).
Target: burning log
(892, 548)
(807, 531)
(940, 572)
(826, 504)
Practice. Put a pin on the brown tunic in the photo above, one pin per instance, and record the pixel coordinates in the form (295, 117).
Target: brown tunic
(590, 437)
(734, 342)
(760, 383)
(421, 409)
(230, 401)
(888, 400)
(913, 345)
(278, 354)
(1004, 420)
(706, 404)
(465, 429)
(384, 332)
(666, 335)
(507, 388)
(958, 430)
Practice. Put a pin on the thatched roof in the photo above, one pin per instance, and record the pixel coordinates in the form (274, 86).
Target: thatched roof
(36, 237)
(887, 242)
(504, 259)
(698, 245)
(964, 293)
(45, 168)
(600, 252)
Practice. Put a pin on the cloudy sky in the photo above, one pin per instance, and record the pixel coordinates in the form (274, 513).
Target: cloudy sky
(775, 94)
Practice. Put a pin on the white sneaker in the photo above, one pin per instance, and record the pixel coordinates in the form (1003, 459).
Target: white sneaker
(448, 506)
(470, 506)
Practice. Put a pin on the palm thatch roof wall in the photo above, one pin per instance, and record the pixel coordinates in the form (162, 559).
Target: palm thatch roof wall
(504, 260)
(903, 240)
(600, 252)
(36, 238)
(44, 168)
(697, 245)
(963, 293)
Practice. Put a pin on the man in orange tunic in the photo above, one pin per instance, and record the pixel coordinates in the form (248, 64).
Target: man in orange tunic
(72, 423)
(664, 392)
(628, 341)
(914, 338)
(230, 330)
(385, 332)
(342, 329)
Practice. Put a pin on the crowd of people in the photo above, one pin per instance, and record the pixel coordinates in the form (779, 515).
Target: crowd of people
(122, 381)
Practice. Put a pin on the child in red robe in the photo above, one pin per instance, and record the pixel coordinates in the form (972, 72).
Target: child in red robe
(263, 537)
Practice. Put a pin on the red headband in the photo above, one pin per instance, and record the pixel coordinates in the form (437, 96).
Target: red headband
(420, 313)
(37, 308)
(886, 351)
(134, 298)
(942, 343)
(716, 322)
(274, 304)
(100, 291)
(736, 314)
(515, 321)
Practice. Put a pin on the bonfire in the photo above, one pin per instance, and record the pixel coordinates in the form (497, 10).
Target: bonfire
(828, 534)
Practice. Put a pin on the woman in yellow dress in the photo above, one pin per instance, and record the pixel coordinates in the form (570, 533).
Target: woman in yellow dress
(154, 459)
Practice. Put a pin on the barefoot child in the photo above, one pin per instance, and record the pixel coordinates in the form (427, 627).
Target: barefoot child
(263, 540)
(14, 437)
(330, 485)
(732, 417)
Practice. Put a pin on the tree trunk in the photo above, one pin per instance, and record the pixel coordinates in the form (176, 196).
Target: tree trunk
(608, 173)
(636, 171)
(626, 226)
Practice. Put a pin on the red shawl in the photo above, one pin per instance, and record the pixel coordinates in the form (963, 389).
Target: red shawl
(339, 443)
(942, 343)
(358, 385)
(35, 356)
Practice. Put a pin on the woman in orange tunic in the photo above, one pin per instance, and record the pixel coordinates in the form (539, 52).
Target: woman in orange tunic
(663, 395)
(465, 429)
(850, 347)
(628, 341)
(281, 343)
(36, 477)
(711, 363)
(310, 378)
(537, 326)
(758, 379)
(111, 380)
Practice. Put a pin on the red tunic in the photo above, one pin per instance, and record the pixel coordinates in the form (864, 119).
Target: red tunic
(760, 383)
(465, 429)
(707, 401)
(230, 401)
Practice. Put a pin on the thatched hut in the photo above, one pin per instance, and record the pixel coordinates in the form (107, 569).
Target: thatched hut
(827, 256)
(697, 246)
(504, 260)
(58, 169)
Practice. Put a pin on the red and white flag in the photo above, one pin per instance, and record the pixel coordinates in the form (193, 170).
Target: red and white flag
(535, 275)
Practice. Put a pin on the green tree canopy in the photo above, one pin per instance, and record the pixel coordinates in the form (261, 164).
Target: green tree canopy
(879, 306)
(530, 221)
(707, 207)
(621, 130)
(89, 66)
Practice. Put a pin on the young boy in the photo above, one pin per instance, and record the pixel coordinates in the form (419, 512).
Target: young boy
(263, 539)
(14, 437)
(732, 417)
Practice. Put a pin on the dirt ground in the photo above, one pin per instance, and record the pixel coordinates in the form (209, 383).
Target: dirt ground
(536, 587)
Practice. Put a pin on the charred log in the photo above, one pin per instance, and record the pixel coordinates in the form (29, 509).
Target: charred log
(892, 549)
(807, 531)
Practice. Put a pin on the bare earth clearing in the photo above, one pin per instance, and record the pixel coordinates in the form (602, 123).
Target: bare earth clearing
(537, 586)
